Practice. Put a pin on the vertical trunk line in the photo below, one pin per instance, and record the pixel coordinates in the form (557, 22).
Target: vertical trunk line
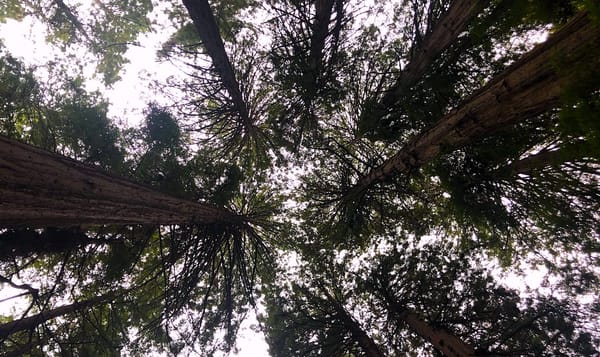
(443, 34)
(206, 26)
(440, 339)
(366, 343)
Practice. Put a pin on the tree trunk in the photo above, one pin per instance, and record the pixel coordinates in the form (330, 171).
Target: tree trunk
(451, 24)
(31, 322)
(360, 336)
(320, 29)
(365, 342)
(568, 153)
(529, 87)
(206, 25)
(39, 188)
(442, 340)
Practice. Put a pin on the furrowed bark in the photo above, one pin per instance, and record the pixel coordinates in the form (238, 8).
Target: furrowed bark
(206, 25)
(39, 188)
(31, 322)
(452, 23)
(529, 87)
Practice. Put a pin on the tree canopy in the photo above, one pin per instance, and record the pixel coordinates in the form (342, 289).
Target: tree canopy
(360, 177)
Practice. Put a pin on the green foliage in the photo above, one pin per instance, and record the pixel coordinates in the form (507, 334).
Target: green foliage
(58, 116)
(185, 37)
(446, 288)
(228, 16)
(542, 11)
(12, 9)
(18, 95)
(581, 101)
(486, 193)
(106, 29)
(307, 56)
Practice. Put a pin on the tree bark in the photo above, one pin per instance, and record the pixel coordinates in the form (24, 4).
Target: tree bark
(31, 322)
(206, 25)
(529, 87)
(365, 342)
(39, 188)
(442, 340)
(320, 30)
(451, 24)
(569, 153)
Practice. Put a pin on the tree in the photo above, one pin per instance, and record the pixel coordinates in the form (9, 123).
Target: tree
(215, 233)
(32, 179)
(414, 300)
(530, 87)
(226, 100)
(106, 31)
(306, 55)
(426, 47)
(205, 24)
(470, 300)
(31, 322)
(313, 321)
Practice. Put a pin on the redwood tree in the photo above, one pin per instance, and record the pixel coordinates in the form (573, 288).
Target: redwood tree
(42, 188)
(530, 87)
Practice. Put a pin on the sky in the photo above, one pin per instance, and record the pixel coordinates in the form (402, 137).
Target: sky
(128, 97)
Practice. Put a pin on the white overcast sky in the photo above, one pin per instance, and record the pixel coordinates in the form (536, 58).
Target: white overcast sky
(127, 97)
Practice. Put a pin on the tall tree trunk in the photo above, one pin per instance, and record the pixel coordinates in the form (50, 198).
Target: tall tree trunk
(31, 322)
(206, 25)
(39, 188)
(570, 152)
(320, 29)
(440, 339)
(365, 342)
(446, 30)
(528, 88)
